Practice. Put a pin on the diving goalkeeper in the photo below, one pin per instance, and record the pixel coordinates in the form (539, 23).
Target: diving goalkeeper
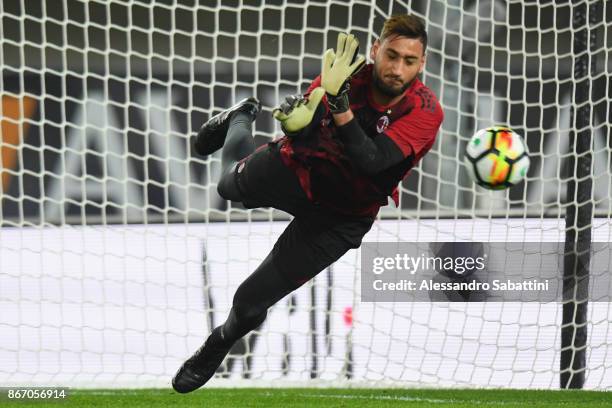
(348, 142)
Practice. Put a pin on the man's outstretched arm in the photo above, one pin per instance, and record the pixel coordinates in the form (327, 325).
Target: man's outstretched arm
(371, 156)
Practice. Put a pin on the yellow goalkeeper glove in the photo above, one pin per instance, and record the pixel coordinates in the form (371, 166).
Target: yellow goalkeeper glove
(297, 113)
(338, 68)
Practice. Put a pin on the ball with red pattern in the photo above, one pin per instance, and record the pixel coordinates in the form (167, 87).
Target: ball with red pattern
(497, 158)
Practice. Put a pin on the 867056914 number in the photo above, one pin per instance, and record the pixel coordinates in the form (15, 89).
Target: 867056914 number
(29, 393)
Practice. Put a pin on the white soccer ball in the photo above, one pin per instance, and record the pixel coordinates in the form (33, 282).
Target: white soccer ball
(497, 158)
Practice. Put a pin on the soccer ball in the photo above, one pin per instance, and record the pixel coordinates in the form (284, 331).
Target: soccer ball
(496, 158)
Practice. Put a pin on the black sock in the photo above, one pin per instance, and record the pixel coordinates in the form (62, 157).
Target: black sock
(239, 142)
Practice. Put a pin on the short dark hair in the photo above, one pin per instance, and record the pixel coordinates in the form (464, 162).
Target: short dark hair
(405, 25)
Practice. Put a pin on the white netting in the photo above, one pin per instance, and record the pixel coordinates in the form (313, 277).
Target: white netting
(117, 254)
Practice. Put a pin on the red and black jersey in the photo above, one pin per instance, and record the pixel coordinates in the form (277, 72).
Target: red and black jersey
(326, 173)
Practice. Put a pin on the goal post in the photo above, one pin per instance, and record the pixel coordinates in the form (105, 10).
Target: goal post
(579, 213)
(117, 255)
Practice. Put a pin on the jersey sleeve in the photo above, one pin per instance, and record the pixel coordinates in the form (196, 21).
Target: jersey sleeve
(415, 133)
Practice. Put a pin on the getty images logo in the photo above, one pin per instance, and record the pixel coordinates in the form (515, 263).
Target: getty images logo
(448, 258)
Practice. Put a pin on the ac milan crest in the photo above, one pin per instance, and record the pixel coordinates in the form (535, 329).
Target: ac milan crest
(382, 123)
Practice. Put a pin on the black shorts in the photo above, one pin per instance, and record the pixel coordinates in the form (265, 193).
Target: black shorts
(317, 236)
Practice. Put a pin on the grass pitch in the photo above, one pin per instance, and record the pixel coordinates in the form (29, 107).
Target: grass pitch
(317, 397)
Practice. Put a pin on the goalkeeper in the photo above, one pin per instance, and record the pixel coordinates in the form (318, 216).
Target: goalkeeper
(348, 143)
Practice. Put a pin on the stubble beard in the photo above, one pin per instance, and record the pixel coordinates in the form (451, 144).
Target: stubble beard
(387, 90)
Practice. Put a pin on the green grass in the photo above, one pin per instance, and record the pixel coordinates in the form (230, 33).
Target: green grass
(325, 397)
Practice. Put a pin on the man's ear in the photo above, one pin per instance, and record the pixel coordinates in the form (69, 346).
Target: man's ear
(374, 50)
(422, 67)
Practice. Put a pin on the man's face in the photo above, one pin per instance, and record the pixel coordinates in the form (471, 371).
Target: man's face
(397, 62)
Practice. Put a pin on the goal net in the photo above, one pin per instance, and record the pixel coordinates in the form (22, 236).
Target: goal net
(117, 255)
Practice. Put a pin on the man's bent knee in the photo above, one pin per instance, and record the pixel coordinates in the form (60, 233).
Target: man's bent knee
(227, 188)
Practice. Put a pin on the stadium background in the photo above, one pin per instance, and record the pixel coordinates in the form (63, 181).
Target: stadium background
(150, 76)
